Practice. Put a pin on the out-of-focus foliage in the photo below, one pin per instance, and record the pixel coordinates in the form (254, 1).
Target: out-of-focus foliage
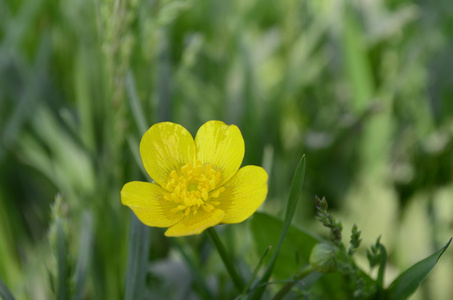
(363, 88)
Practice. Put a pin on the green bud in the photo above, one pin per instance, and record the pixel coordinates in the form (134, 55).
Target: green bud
(322, 258)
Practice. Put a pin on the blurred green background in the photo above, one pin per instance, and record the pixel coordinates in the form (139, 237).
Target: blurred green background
(363, 88)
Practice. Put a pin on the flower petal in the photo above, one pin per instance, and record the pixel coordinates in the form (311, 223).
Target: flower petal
(222, 146)
(196, 224)
(165, 147)
(146, 200)
(243, 194)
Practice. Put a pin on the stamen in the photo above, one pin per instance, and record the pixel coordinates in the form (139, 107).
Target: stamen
(193, 187)
(207, 207)
(204, 194)
(216, 193)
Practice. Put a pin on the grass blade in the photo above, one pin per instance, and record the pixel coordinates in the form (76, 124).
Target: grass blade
(62, 264)
(137, 260)
(356, 62)
(296, 188)
(134, 101)
(5, 294)
(380, 278)
(84, 258)
(406, 284)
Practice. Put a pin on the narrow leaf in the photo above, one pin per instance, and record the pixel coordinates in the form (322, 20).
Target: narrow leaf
(382, 264)
(134, 101)
(132, 143)
(408, 281)
(137, 260)
(85, 251)
(5, 294)
(62, 264)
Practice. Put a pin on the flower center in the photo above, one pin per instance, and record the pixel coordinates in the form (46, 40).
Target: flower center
(193, 187)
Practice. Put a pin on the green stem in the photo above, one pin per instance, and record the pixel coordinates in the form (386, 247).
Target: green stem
(305, 272)
(237, 280)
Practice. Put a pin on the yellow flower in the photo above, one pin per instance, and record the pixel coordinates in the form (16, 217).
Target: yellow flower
(198, 183)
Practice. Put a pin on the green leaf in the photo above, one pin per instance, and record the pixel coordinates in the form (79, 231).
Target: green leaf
(295, 250)
(408, 282)
(5, 294)
(294, 254)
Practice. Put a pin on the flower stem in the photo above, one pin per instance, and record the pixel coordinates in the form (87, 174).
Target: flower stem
(237, 280)
(305, 271)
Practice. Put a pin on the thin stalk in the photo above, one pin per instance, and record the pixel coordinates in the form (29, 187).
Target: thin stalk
(255, 273)
(237, 280)
(305, 272)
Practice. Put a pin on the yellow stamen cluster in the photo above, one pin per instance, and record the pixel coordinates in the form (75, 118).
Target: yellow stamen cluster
(193, 187)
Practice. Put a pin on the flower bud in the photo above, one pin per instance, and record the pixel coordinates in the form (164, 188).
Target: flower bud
(322, 258)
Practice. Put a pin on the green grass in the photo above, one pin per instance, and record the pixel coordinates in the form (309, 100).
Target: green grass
(362, 89)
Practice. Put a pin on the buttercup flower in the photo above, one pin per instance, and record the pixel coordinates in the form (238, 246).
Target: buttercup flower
(198, 183)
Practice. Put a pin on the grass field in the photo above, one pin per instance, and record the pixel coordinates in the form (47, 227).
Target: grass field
(363, 88)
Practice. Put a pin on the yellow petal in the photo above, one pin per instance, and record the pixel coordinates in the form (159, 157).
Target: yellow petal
(196, 223)
(222, 146)
(165, 147)
(243, 194)
(146, 201)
